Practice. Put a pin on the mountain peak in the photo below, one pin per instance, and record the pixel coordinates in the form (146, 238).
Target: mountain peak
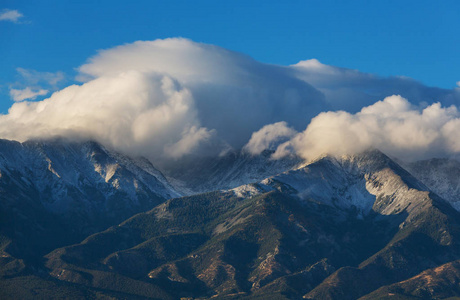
(365, 182)
(337, 227)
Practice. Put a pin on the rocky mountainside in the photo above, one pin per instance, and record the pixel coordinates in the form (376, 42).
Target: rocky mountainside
(338, 228)
(194, 175)
(441, 175)
(350, 182)
(437, 283)
(55, 192)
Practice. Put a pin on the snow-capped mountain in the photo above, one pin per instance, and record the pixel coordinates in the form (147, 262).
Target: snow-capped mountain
(336, 228)
(69, 176)
(54, 192)
(366, 182)
(84, 187)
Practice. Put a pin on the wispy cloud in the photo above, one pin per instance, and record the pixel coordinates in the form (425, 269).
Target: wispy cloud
(27, 93)
(10, 15)
(33, 83)
(350, 90)
(36, 77)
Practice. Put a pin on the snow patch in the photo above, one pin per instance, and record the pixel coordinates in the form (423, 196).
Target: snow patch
(50, 168)
(110, 171)
(248, 190)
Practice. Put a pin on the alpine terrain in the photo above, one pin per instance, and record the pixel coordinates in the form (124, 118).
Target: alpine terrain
(81, 221)
(57, 192)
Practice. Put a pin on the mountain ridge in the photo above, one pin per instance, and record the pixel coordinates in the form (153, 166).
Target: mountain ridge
(336, 228)
(276, 242)
(81, 186)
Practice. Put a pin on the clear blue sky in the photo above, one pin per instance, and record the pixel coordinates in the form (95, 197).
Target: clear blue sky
(418, 39)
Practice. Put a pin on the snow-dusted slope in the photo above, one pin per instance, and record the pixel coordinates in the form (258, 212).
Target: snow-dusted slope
(441, 175)
(366, 182)
(193, 175)
(81, 181)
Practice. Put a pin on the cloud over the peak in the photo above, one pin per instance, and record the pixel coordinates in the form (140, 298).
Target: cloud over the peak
(131, 111)
(168, 98)
(392, 125)
(234, 94)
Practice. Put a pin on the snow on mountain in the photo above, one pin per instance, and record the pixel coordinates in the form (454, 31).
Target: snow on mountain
(89, 185)
(366, 182)
(86, 179)
(193, 175)
(80, 179)
(441, 175)
(56, 192)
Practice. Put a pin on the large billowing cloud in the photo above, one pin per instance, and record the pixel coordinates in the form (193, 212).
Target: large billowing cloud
(234, 94)
(167, 98)
(132, 111)
(392, 125)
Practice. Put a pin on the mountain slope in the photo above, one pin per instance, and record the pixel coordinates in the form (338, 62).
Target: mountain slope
(363, 182)
(54, 192)
(438, 283)
(427, 236)
(216, 244)
(299, 234)
(441, 175)
(194, 175)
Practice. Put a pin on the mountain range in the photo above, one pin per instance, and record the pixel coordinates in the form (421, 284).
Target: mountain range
(78, 220)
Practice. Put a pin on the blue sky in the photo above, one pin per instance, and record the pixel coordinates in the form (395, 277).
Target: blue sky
(418, 39)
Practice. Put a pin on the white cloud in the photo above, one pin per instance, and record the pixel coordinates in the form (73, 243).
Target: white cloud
(392, 125)
(168, 98)
(27, 93)
(207, 95)
(269, 136)
(234, 94)
(134, 112)
(10, 15)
